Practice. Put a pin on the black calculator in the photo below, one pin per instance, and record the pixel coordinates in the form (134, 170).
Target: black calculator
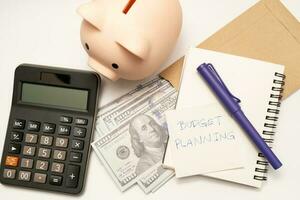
(50, 128)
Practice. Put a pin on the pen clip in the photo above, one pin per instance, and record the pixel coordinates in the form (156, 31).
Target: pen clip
(211, 67)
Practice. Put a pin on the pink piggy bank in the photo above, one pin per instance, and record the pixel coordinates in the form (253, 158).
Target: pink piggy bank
(129, 39)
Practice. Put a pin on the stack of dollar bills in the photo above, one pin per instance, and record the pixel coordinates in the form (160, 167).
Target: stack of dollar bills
(131, 136)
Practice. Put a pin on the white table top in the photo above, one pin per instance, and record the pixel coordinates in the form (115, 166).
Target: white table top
(47, 32)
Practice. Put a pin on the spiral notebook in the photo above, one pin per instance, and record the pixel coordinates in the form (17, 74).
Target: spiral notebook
(259, 86)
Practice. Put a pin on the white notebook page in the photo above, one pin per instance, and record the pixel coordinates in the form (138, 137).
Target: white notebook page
(248, 79)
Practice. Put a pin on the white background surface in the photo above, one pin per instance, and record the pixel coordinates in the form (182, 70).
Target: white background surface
(47, 32)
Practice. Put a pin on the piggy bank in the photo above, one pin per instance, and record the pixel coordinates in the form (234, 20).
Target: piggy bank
(129, 39)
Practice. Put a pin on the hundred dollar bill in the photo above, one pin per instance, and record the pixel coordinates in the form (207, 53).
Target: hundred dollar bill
(116, 155)
(133, 130)
(162, 183)
(154, 178)
(133, 96)
(124, 108)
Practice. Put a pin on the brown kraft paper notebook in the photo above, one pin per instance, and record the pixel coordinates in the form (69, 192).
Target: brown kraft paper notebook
(267, 31)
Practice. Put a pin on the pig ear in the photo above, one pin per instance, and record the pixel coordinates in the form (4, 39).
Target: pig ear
(93, 13)
(134, 43)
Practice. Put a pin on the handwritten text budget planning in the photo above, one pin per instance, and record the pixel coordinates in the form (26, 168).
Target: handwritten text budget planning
(199, 123)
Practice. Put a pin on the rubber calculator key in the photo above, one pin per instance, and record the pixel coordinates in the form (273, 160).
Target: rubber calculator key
(57, 167)
(46, 140)
(9, 173)
(16, 136)
(55, 180)
(39, 178)
(29, 150)
(79, 132)
(48, 128)
(65, 119)
(11, 161)
(61, 142)
(64, 130)
(77, 144)
(19, 124)
(72, 176)
(59, 155)
(26, 163)
(24, 176)
(75, 157)
(44, 153)
(42, 165)
(33, 126)
(31, 138)
(14, 148)
(81, 121)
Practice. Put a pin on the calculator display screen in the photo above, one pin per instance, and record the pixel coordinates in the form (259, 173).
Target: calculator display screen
(55, 96)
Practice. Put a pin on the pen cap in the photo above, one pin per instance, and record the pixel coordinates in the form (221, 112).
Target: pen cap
(217, 85)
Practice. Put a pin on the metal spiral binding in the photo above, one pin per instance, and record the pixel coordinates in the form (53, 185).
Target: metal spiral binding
(270, 124)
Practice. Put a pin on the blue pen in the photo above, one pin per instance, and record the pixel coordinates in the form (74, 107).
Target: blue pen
(231, 103)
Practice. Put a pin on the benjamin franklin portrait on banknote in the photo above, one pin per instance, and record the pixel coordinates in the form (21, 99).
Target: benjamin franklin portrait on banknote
(148, 140)
(132, 133)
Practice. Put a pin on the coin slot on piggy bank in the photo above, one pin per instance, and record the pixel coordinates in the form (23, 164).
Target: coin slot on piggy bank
(129, 39)
(128, 6)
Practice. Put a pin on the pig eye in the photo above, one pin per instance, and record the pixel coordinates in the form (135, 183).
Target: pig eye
(115, 66)
(87, 46)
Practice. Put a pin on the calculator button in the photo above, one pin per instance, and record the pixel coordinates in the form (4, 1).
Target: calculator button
(14, 148)
(19, 124)
(65, 119)
(46, 140)
(12, 161)
(16, 136)
(44, 153)
(31, 138)
(26, 163)
(64, 130)
(41, 165)
(48, 128)
(9, 173)
(29, 151)
(79, 132)
(24, 176)
(57, 167)
(75, 157)
(61, 142)
(77, 144)
(80, 121)
(59, 155)
(33, 126)
(55, 180)
(72, 176)
(39, 178)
